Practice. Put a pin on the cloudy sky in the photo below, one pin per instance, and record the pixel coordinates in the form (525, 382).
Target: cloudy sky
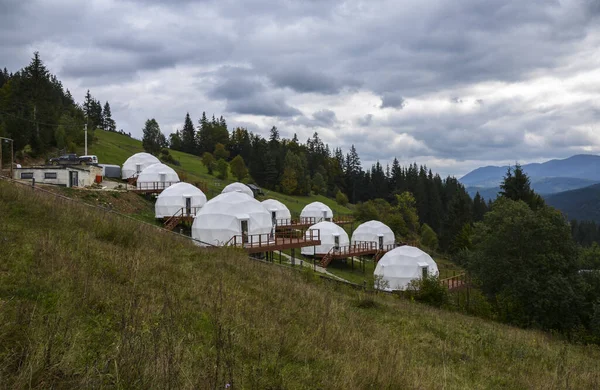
(451, 84)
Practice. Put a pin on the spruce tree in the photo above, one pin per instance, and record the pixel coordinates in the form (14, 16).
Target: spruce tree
(188, 139)
(108, 122)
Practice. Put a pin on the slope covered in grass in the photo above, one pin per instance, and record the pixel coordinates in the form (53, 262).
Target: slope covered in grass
(115, 148)
(89, 299)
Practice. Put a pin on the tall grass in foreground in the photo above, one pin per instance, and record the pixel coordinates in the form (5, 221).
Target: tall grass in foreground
(91, 300)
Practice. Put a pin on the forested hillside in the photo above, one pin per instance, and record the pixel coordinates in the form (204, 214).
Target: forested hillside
(39, 113)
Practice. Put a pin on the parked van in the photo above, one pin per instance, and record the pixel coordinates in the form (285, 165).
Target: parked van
(94, 158)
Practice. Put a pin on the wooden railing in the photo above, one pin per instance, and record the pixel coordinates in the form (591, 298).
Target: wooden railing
(456, 281)
(174, 220)
(271, 240)
(154, 185)
(343, 219)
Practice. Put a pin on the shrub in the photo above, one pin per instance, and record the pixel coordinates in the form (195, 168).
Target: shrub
(428, 237)
(428, 290)
(341, 198)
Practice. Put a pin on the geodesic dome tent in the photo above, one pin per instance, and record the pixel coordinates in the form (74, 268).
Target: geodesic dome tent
(179, 196)
(240, 187)
(372, 231)
(228, 215)
(331, 235)
(398, 267)
(279, 209)
(317, 211)
(136, 164)
(157, 176)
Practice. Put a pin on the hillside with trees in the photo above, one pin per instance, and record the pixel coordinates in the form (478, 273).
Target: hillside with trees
(40, 114)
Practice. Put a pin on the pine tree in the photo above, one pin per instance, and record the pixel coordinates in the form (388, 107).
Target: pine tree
(153, 140)
(517, 186)
(479, 207)
(188, 138)
(108, 122)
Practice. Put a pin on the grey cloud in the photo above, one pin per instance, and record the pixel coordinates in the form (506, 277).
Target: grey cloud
(236, 88)
(325, 117)
(262, 105)
(365, 121)
(392, 100)
(307, 80)
(322, 118)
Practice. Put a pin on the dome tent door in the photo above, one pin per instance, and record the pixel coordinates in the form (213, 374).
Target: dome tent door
(188, 205)
(380, 243)
(244, 230)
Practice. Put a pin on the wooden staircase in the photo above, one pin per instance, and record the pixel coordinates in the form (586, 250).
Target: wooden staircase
(379, 255)
(325, 260)
(174, 220)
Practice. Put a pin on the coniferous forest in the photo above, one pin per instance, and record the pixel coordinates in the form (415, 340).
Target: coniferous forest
(39, 113)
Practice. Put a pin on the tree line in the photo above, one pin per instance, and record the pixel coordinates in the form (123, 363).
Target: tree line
(295, 168)
(39, 114)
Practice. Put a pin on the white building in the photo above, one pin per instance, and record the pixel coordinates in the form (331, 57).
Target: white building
(398, 267)
(332, 235)
(66, 175)
(232, 214)
(316, 212)
(240, 187)
(374, 231)
(135, 164)
(157, 176)
(177, 197)
(278, 211)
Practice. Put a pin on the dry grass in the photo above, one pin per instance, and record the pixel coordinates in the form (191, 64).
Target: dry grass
(90, 300)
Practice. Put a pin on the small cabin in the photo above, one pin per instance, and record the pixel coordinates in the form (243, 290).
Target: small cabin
(65, 176)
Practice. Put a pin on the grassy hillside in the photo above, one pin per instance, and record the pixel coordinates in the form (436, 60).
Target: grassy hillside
(88, 299)
(115, 148)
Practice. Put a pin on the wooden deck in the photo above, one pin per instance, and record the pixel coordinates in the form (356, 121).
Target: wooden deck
(257, 243)
(305, 222)
(154, 187)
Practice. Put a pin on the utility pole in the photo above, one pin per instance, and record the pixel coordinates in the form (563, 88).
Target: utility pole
(85, 130)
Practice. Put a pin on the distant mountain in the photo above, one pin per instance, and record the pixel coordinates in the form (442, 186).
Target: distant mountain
(582, 166)
(582, 204)
(544, 186)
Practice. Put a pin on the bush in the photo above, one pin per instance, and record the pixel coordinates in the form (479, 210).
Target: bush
(428, 290)
(341, 198)
(428, 237)
(222, 169)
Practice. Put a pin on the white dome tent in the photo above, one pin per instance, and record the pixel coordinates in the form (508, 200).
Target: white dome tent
(239, 187)
(179, 196)
(316, 212)
(278, 210)
(135, 164)
(157, 176)
(331, 235)
(401, 265)
(231, 214)
(375, 231)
